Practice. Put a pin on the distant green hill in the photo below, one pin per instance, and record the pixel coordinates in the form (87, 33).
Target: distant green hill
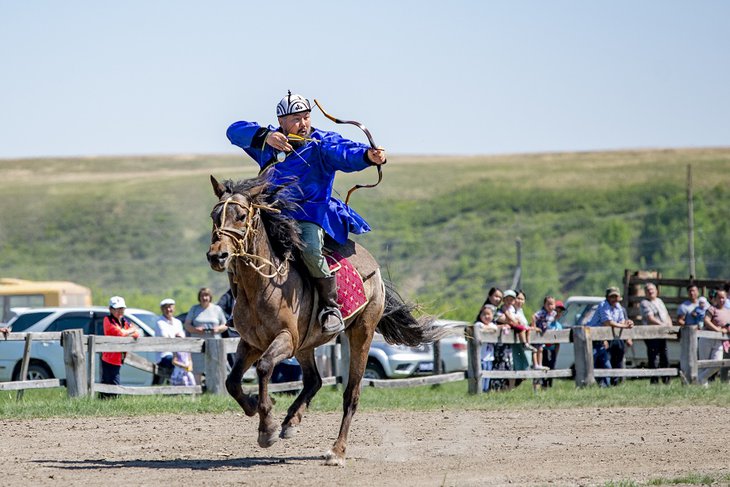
(444, 227)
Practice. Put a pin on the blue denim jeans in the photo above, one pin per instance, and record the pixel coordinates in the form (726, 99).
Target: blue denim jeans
(486, 365)
(601, 360)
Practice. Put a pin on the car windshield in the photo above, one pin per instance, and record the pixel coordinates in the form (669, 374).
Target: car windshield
(26, 320)
(147, 318)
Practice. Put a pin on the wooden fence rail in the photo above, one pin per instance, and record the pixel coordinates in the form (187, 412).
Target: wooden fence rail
(80, 358)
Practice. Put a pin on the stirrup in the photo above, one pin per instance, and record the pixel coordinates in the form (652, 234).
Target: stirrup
(340, 322)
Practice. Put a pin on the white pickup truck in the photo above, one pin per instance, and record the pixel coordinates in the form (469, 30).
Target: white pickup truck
(578, 312)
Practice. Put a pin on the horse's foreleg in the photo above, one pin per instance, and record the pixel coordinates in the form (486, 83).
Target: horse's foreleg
(245, 357)
(360, 338)
(281, 348)
(312, 382)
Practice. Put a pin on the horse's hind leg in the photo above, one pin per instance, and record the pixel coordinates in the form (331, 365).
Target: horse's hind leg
(245, 357)
(281, 347)
(360, 335)
(312, 382)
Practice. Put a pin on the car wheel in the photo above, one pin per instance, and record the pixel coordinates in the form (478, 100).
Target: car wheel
(374, 371)
(35, 372)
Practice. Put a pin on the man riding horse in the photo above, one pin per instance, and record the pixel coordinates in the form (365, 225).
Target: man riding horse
(305, 160)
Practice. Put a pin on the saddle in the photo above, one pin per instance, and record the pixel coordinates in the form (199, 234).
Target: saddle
(350, 288)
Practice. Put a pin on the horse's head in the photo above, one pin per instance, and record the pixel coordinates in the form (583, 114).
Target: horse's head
(234, 218)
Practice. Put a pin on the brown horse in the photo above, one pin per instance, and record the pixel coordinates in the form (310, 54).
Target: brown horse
(276, 305)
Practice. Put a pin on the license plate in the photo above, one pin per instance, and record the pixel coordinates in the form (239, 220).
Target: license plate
(425, 367)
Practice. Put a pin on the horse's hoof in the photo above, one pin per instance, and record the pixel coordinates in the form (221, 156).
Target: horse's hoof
(268, 439)
(289, 432)
(333, 460)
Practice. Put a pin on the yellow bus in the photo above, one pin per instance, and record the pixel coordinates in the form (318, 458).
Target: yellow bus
(19, 293)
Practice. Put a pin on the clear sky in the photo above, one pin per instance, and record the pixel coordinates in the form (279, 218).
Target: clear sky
(427, 77)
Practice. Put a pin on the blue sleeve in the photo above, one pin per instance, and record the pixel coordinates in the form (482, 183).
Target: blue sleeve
(603, 314)
(250, 137)
(344, 155)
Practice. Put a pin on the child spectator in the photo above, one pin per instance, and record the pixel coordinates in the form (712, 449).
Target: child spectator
(698, 314)
(550, 350)
(182, 374)
(541, 321)
(486, 324)
(507, 314)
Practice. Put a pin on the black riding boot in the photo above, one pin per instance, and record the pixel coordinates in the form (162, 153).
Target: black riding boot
(329, 317)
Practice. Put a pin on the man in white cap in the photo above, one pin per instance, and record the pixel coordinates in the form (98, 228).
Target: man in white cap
(306, 159)
(166, 326)
(115, 325)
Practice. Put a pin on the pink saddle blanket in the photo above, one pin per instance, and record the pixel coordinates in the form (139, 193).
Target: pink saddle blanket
(350, 289)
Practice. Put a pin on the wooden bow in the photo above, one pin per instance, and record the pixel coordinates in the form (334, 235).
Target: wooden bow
(372, 144)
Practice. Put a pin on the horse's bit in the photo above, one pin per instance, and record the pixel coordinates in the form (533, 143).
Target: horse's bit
(243, 239)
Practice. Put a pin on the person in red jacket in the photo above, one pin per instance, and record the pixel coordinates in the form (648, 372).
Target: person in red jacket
(115, 325)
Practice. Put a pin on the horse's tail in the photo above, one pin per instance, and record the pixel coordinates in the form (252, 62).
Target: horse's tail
(399, 326)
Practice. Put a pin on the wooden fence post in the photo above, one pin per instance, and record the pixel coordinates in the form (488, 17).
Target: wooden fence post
(335, 360)
(215, 366)
(75, 360)
(474, 368)
(583, 349)
(345, 359)
(91, 353)
(688, 353)
(24, 364)
(437, 358)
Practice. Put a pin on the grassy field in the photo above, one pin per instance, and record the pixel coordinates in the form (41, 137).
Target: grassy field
(452, 396)
(444, 227)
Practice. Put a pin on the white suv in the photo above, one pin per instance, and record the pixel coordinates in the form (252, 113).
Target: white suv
(46, 358)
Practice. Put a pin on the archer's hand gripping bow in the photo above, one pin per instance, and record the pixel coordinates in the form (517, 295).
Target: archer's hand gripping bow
(372, 144)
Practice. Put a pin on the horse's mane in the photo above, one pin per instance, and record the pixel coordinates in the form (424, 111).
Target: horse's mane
(282, 230)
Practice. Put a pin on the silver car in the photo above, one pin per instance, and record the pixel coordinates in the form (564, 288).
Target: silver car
(386, 361)
(46, 358)
(453, 349)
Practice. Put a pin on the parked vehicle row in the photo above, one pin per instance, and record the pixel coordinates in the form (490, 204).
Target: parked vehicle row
(384, 360)
(47, 357)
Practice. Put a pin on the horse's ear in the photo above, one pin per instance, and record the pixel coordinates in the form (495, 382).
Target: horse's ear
(218, 188)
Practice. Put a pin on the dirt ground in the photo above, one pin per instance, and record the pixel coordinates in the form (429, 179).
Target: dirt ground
(553, 447)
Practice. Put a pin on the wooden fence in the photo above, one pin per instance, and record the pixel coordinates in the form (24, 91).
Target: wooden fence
(80, 356)
(582, 338)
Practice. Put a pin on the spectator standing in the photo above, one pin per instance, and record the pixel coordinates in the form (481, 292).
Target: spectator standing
(684, 312)
(508, 314)
(654, 312)
(182, 374)
(166, 326)
(609, 313)
(486, 353)
(115, 324)
(204, 320)
(226, 303)
(541, 321)
(550, 350)
(520, 361)
(502, 352)
(494, 297)
(717, 319)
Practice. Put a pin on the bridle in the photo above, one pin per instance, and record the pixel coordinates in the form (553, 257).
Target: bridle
(244, 241)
